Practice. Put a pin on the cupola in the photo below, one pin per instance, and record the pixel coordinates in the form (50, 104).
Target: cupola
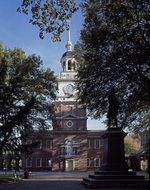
(68, 61)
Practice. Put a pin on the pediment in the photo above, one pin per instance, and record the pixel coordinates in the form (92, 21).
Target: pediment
(69, 116)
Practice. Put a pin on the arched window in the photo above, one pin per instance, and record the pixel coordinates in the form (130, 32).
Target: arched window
(69, 147)
(69, 65)
(64, 66)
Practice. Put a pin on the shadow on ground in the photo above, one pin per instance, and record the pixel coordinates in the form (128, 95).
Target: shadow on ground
(36, 184)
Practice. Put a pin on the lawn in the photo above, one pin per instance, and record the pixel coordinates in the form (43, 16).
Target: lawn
(6, 178)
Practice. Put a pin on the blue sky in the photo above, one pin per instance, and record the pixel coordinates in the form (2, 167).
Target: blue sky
(15, 31)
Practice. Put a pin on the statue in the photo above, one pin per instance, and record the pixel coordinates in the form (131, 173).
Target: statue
(112, 109)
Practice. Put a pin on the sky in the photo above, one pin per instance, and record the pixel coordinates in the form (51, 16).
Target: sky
(16, 32)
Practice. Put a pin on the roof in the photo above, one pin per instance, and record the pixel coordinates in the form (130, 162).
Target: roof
(68, 53)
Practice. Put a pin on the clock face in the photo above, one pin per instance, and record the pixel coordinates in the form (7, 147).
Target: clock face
(69, 123)
(68, 89)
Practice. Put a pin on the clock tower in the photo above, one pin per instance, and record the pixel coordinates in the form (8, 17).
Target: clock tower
(70, 124)
(69, 146)
(70, 115)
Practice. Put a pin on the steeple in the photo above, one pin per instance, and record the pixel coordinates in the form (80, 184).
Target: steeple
(68, 62)
(69, 44)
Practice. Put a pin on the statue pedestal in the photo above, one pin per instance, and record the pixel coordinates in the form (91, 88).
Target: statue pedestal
(114, 159)
(114, 172)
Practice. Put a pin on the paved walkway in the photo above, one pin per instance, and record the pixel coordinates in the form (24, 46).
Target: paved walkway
(59, 175)
(51, 181)
(49, 185)
(44, 185)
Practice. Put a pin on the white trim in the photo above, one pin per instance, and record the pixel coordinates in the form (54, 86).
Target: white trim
(95, 143)
(96, 162)
(67, 167)
(28, 160)
(48, 162)
(51, 144)
(69, 124)
(40, 163)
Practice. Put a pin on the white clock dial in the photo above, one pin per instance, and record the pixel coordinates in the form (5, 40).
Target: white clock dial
(68, 89)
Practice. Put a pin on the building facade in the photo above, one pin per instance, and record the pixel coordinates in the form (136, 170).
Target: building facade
(69, 146)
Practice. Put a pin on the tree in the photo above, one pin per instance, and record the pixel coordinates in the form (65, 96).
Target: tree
(132, 144)
(49, 16)
(115, 54)
(26, 95)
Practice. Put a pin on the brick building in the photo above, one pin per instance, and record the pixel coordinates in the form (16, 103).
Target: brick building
(69, 145)
(66, 151)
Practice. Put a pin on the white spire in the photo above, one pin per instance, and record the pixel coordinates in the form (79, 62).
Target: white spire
(69, 37)
(69, 44)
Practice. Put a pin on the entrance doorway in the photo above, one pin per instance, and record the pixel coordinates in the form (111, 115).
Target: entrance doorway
(69, 165)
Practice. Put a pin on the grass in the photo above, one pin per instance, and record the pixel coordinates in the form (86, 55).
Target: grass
(6, 178)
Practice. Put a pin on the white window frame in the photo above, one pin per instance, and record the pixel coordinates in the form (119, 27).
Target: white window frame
(28, 160)
(51, 144)
(47, 162)
(95, 143)
(99, 161)
(38, 166)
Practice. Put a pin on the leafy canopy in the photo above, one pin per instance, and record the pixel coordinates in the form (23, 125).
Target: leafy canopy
(26, 95)
(132, 144)
(50, 16)
(115, 53)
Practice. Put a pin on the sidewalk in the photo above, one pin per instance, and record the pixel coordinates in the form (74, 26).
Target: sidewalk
(59, 175)
(50, 185)
(52, 181)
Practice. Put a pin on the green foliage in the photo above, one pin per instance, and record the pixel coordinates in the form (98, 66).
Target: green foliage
(49, 16)
(6, 178)
(115, 53)
(26, 95)
(132, 144)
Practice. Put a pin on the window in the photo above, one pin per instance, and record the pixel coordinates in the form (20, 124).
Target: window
(62, 151)
(69, 65)
(88, 162)
(48, 162)
(69, 148)
(64, 66)
(97, 143)
(89, 143)
(28, 163)
(49, 144)
(71, 109)
(96, 162)
(29, 141)
(39, 162)
(75, 150)
(39, 145)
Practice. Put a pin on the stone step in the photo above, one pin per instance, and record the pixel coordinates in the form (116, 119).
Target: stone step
(117, 183)
(115, 173)
(93, 176)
